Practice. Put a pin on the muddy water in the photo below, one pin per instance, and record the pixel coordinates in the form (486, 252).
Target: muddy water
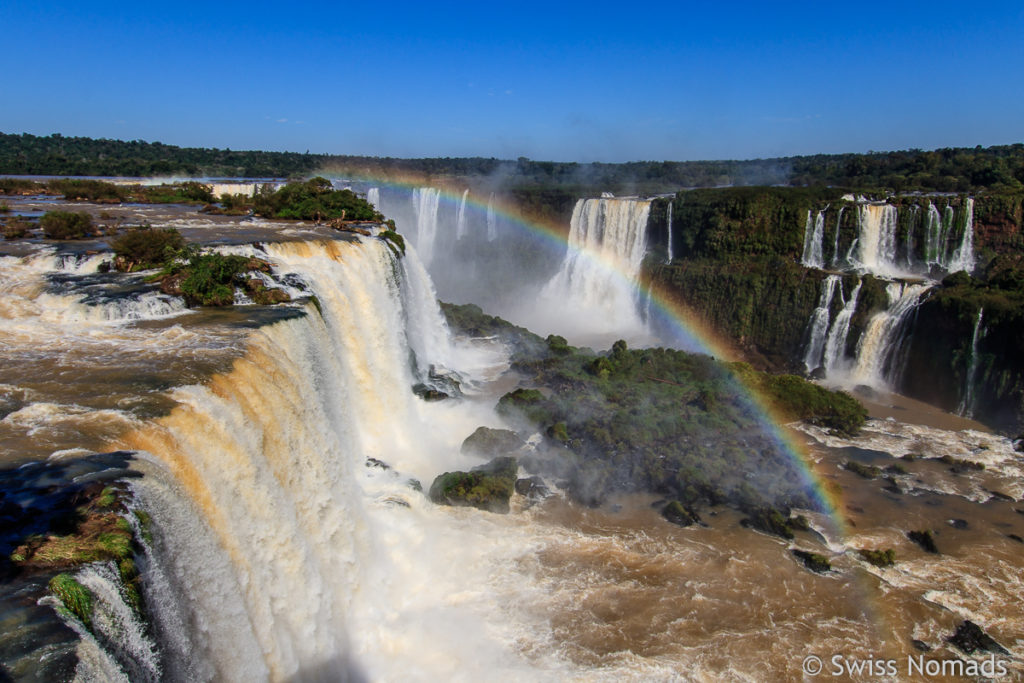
(607, 594)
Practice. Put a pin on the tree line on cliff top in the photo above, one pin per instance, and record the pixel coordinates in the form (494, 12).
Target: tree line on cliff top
(943, 170)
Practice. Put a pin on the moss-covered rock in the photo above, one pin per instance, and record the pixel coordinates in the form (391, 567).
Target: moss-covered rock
(969, 638)
(76, 598)
(813, 561)
(925, 539)
(487, 442)
(487, 487)
(879, 558)
(680, 515)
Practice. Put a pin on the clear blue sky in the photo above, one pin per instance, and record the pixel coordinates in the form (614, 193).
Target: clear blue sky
(552, 80)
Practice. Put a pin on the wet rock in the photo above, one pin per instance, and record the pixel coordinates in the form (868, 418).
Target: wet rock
(533, 488)
(487, 487)
(970, 637)
(679, 514)
(998, 495)
(813, 561)
(415, 485)
(1015, 537)
(925, 539)
(921, 646)
(171, 284)
(491, 443)
(818, 373)
(374, 462)
(891, 486)
(879, 558)
(960, 524)
(428, 393)
(865, 471)
(769, 521)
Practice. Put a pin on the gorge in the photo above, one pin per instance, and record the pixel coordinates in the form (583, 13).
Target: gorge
(280, 451)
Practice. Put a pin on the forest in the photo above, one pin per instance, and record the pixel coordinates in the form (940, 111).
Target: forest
(943, 170)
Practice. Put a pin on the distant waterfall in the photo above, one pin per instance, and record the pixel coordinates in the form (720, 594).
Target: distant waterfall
(818, 324)
(425, 201)
(492, 221)
(596, 284)
(883, 336)
(934, 234)
(373, 197)
(835, 246)
(963, 256)
(671, 255)
(814, 236)
(460, 220)
(877, 238)
(966, 407)
(835, 344)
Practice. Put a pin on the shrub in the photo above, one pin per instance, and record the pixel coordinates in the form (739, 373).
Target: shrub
(143, 247)
(65, 225)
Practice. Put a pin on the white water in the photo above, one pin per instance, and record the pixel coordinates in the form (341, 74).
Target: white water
(877, 239)
(963, 256)
(460, 219)
(492, 220)
(883, 336)
(835, 246)
(293, 558)
(671, 254)
(814, 240)
(425, 201)
(966, 407)
(595, 291)
(373, 197)
(835, 345)
(818, 323)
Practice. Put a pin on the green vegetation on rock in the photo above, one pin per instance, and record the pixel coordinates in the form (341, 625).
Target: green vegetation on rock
(314, 200)
(487, 487)
(813, 561)
(66, 225)
(76, 598)
(879, 558)
(143, 248)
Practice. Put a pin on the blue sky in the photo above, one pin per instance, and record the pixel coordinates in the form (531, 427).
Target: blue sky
(564, 81)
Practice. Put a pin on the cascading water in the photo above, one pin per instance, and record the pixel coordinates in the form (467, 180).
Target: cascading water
(818, 324)
(883, 336)
(285, 555)
(373, 197)
(814, 237)
(671, 254)
(963, 256)
(835, 246)
(425, 201)
(966, 407)
(492, 220)
(595, 290)
(877, 239)
(460, 220)
(835, 344)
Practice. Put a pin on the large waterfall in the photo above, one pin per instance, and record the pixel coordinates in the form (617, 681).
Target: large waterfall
(835, 344)
(283, 553)
(373, 197)
(882, 339)
(595, 290)
(492, 220)
(877, 240)
(966, 407)
(671, 254)
(425, 202)
(460, 219)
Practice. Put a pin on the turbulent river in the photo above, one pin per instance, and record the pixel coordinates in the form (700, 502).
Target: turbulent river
(278, 445)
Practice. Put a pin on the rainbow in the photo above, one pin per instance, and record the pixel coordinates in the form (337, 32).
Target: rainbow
(690, 331)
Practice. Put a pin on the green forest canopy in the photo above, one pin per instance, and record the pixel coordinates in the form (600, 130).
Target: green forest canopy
(942, 170)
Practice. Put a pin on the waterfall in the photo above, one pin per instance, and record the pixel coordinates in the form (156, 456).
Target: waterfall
(818, 324)
(835, 246)
(671, 255)
(909, 245)
(932, 236)
(814, 236)
(425, 201)
(966, 407)
(963, 256)
(877, 238)
(883, 336)
(284, 556)
(835, 344)
(460, 220)
(492, 221)
(597, 281)
(373, 197)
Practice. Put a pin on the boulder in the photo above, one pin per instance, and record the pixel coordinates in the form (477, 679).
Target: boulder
(813, 561)
(969, 637)
(680, 515)
(491, 443)
(532, 488)
(487, 487)
(925, 539)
